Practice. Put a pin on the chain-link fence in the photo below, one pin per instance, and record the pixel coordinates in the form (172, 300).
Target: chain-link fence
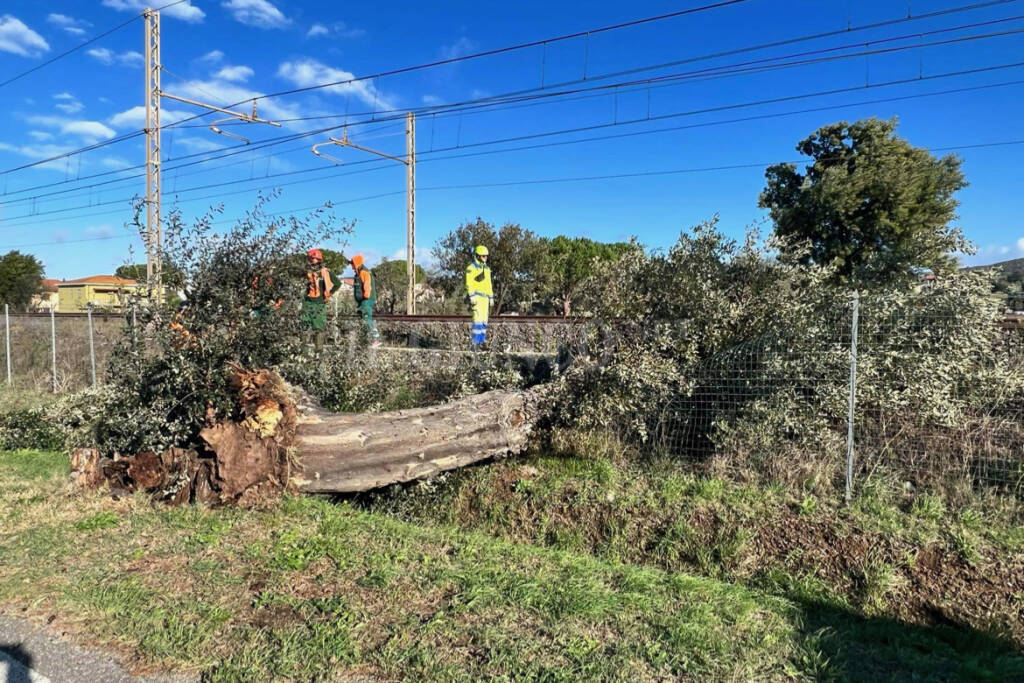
(59, 352)
(52, 352)
(910, 388)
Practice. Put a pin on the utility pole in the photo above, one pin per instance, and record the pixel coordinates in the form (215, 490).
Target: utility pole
(410, 195)
(154, 95)
(151, 19)
(410, 210)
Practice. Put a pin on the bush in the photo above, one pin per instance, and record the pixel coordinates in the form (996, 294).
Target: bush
(171, 377)
(29, 428)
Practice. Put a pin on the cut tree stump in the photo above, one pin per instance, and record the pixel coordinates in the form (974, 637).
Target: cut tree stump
(340, 453)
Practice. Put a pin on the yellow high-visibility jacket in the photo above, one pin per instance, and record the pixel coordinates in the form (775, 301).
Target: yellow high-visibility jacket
(476, 285)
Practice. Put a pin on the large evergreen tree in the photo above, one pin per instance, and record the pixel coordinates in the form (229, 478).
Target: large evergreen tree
(21, 278)
(869, 203)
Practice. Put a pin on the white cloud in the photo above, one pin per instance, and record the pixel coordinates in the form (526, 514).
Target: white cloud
(18, 38)
(40, 135)
(135, 117)
(68, 103)
(37, 152)
(131, 58)
(1020, 244)
(200, 144)
(338, 29)
(221, 92)
(108, 57)
(114, 162)
(309, 72)
(259, 13)
(213, 56)
(75, 27)
(101, 54)
(186, 11)
(1004, 250)
(432, 100)
(237, 74)
(89, 131)
(424, 256)
(99, 231)
(461, 47)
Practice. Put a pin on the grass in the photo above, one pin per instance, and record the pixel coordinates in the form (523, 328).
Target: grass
(595, 499)
(310, 590)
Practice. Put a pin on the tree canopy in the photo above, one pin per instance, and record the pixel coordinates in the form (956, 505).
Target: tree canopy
(21, 278)
(391, 280)
(870, 204)
(568, 262)
(515, 260)
(172, 275)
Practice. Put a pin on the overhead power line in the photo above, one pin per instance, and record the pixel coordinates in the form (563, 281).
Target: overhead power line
(78, 47)
(494, 103)
(530, 181)
(604, 137)
(727, 53)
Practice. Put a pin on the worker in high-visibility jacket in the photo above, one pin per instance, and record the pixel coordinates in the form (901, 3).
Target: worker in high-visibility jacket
(480, 293)
(364, 289)
(319, 285)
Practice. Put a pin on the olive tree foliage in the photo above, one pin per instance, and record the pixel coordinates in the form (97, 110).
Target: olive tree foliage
(870, 204)
(666, 312)
(21, 278)
(719, 348)
(515, 258)
(169, 375)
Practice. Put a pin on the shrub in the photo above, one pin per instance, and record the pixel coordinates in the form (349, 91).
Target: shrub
(29, 428)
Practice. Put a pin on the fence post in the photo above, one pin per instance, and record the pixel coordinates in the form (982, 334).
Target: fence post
(7, 333)
(853, 398)
(53, 348)
(92, 349)
(135, 336)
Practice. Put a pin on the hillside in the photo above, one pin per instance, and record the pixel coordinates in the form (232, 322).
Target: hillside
(1011, 267)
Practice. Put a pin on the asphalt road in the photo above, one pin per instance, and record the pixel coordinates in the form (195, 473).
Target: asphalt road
(30, 654)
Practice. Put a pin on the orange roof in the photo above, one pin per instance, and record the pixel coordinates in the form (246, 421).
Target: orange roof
(50, 284)
(100, 280)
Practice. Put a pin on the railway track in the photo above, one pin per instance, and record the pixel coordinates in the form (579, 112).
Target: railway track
(390, 317)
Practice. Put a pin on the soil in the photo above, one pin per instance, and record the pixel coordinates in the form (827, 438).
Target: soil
(932, 585)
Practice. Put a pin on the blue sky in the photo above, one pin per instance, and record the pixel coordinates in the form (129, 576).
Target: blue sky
(224, 51)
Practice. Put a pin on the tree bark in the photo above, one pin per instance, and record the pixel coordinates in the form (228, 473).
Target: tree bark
(339, 453)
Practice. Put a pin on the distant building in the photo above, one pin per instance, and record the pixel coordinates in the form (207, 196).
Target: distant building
(48, 298)
(98, 292)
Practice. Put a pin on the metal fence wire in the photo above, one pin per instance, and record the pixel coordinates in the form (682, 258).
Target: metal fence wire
(915, 388)
(906, 388)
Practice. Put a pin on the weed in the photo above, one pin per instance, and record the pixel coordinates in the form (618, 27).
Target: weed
(964, 543)
(807, 506)
(930, 507)
(101, 520)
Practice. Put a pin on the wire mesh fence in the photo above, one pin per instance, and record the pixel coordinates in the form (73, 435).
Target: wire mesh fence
(917, 389)
(59, 353)
(921, 389)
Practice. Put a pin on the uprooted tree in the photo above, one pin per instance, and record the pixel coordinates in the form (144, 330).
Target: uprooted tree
(195, 408)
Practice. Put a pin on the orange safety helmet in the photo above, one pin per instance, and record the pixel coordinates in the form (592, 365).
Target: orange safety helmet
(316, 253)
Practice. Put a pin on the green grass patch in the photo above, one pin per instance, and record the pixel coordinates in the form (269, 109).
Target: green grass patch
(33, 465)
(312, 590)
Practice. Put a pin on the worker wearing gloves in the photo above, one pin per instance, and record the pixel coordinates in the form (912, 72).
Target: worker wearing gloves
(365, 291)
(319, 286)
(480, 293)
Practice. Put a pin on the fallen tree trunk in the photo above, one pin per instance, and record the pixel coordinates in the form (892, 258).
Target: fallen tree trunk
(340, 453)
(281, 439)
